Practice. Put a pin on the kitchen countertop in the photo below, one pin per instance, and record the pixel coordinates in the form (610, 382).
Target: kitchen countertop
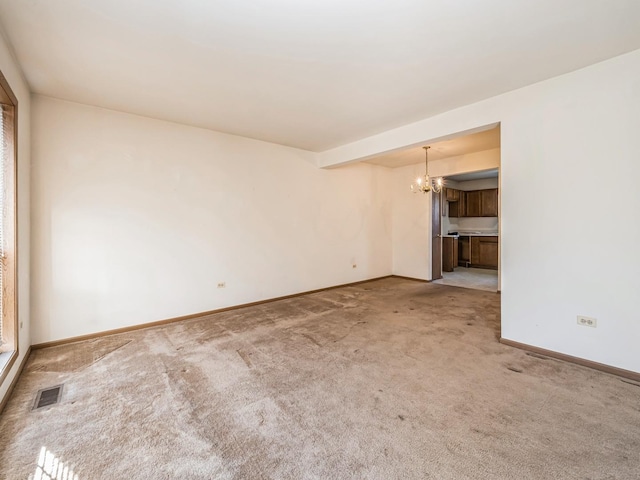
(473, 234)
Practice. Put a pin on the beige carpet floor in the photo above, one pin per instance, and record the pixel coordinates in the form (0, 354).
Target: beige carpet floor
(390, 379)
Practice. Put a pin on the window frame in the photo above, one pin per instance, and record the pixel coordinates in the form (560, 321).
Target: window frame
(10, 350)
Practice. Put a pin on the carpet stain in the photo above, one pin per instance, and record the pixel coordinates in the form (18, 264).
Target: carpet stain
(310, 338)
(245, 358)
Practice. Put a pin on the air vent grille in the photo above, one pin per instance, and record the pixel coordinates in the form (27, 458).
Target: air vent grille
(47, 397)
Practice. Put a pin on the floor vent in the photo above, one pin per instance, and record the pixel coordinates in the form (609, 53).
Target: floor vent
(47, 397)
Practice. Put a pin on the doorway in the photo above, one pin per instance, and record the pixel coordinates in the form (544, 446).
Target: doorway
(470, 229)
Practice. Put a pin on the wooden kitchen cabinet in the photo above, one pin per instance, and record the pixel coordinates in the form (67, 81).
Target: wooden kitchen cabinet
(474, 202)
(464, 251)
(484, 252)
(458, 208)
(489, 203)
(449, 254)
(452, 195)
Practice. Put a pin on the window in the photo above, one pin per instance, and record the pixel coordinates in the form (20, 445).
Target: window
(8, 257)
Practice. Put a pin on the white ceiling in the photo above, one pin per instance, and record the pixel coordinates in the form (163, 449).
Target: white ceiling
(310, 74)
(464, 177)
(464, 145)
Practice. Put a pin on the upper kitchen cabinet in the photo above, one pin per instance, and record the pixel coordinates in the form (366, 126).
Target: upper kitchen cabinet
(488, 203)
(458, 208)
(474, 204)
(451, 194)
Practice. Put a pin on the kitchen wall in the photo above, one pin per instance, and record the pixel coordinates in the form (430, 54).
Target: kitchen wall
(475, 224)
(137, 220)
(563, 140)
(11, 70)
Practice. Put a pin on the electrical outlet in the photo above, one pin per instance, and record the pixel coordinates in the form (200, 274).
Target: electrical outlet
(222, 284)
(587, 321)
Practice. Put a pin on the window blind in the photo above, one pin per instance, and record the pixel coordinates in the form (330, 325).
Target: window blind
(3, 151)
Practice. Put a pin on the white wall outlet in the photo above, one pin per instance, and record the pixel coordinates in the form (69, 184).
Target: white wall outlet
(222, 284)
(587, 321)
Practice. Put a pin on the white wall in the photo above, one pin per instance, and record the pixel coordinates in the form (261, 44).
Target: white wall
(137, 220)
(411, 225)
(471, 162)
(480, 184)
(13, 74)
(569, 164)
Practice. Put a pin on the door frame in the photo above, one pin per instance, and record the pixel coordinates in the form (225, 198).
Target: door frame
(436, 236)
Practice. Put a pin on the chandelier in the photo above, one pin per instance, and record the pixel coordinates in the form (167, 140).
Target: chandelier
(425, 184)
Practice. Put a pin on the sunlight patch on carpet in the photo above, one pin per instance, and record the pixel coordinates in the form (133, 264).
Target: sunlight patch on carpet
(50, 467)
